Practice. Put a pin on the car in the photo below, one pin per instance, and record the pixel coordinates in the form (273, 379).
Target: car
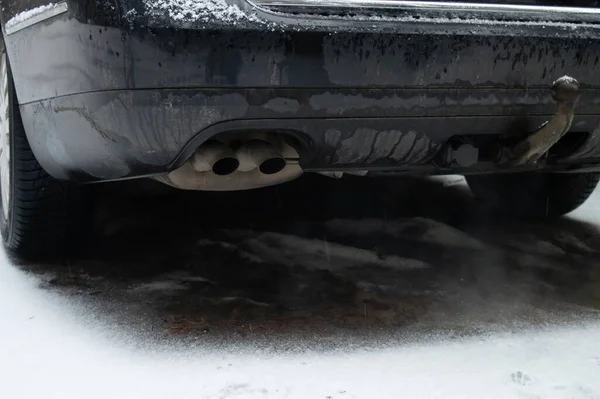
(239, 94)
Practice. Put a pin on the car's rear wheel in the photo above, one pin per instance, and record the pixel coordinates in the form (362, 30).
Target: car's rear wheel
(534, 195)
(40, 215)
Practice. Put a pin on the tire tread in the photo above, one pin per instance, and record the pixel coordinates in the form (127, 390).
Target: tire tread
(534, 195)
(48, 217)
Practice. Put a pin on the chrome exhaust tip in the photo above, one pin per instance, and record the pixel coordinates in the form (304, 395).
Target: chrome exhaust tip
(216, 157)
(272, 165)
(215, 166)
(225, 166)
(262, 155)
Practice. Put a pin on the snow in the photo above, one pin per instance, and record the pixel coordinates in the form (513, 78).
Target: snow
(565, 79)
(50, 349)
(590, 210)
(25, 15)
(194, 10)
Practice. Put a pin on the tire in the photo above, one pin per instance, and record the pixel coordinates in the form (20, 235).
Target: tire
(534, 195)
(40, 217)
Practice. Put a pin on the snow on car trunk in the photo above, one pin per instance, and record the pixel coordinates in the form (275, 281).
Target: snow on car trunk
(193, 11)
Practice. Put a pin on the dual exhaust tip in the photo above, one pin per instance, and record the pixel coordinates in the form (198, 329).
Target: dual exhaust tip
(222, 160)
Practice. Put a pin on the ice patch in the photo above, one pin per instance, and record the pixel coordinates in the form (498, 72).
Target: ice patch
(204, 11)
(425, 230)
(186, 277)
(230, 299)
(165, 286)
(175, 281)
(531, 243)
(205, 242)
(319, 254)
(571, 241)
(450, 180)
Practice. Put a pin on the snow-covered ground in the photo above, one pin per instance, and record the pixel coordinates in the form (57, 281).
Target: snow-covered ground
(50, 347)
(48, 351)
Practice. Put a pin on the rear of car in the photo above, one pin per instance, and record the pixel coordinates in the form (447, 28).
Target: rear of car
(240, 94)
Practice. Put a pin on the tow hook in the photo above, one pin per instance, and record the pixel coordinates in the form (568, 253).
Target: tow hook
(565, 92)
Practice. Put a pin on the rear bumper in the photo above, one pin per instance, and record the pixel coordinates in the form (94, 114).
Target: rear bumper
(122, 134)
(111, 94)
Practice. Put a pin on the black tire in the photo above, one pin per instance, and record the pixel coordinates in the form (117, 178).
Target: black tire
(534, 195)
(46, 217)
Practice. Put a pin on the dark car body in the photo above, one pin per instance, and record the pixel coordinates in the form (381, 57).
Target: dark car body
(111, 90)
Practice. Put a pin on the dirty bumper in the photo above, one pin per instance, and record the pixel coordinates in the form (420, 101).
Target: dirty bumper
(116, 135)
(106, 99)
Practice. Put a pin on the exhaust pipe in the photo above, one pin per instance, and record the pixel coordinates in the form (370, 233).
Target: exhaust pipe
(262, 155)
(187, 178)
(257, 163)
(216, 157)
